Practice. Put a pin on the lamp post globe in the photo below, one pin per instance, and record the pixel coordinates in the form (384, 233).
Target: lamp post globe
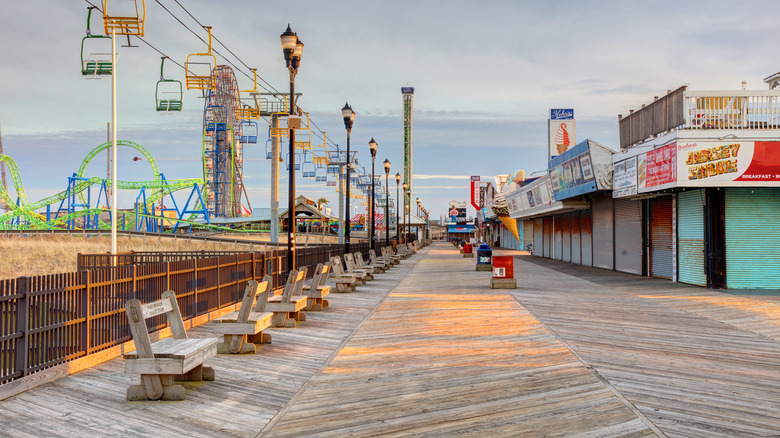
(349, 117)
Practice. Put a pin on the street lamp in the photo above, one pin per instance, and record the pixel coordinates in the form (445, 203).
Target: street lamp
(386, 163)
(405, 186)
(293, 49)
(418, 215)
(397, 206)
(349, 118)
(372, 146)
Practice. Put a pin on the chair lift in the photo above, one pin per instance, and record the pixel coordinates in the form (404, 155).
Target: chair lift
(297, 161)
(95, 64)
(210, 116)
(198, 69)
(320, 169)
(249, 130)
(168, 92)
(124, 20)
(307, 167)
(249, 108)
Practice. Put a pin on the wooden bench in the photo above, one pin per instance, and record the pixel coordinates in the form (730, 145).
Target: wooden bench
(345, 282)
(317, 290)
(361, 263)
(350, 267)
(387, 253)
(163, 362)
(242, 329)
(382, 261)
(403, 251)
(287, 307)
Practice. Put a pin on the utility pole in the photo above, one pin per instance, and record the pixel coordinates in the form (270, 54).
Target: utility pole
(108, 158)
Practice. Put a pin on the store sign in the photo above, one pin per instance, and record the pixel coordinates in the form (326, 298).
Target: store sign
(657, 167)
(475, 192)
(576, 172)
(624, 179)
(561, 134)
(731, 164)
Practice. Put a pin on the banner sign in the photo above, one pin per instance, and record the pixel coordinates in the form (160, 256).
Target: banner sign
(730, 164)
(573, 174)
(624, 179)
(475, 192)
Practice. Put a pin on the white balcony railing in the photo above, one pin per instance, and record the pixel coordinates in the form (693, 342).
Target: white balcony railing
(749, 109)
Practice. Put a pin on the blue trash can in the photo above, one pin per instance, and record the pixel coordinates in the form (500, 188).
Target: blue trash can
(484, 258)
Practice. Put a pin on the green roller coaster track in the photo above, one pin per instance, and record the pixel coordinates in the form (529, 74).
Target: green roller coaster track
(24, 211)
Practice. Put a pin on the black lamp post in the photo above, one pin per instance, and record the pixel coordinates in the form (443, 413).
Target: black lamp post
(292, 48)
(406, 209)
(349, 118)
(397, 205)
(372, 146)
(386, 163)
(418, 214)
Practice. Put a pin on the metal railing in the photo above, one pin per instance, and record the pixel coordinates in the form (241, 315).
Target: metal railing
(48, 320)
(701, 110)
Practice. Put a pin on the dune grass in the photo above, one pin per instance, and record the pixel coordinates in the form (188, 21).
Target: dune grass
(52, 254)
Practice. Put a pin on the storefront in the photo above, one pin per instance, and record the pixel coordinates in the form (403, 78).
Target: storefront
(711, 210)
(579, 175)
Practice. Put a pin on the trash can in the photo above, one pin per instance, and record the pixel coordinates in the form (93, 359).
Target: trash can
(503, 273)
(468, 251)
(484, 258)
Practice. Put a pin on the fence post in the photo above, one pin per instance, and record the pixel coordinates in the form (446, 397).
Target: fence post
(87, 309)
(23, 324)
(167, 276)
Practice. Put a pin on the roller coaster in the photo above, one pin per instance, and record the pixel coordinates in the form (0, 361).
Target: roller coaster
(78, 208)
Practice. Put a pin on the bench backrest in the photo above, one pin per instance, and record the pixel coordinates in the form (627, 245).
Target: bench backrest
(138, 313)
(263, 290)
(315, 279)
(371, 255)
(349, 261)
(357, 258)
(299, 283)
(324, 275)
(292, 282)
(335, 263)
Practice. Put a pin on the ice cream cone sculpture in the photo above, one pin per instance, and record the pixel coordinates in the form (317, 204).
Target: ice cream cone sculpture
(562, 139)
(511, 225)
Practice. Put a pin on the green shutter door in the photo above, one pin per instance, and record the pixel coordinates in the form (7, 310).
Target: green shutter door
(690, 237)
(752, 238)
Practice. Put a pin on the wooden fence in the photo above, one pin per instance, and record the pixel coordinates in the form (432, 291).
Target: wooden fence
(48, 320)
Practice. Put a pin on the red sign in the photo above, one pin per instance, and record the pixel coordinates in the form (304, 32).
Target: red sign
(475, 192)
(661, 166)
(503, 267)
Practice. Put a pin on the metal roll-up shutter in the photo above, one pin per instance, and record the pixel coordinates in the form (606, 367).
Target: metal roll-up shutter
(690, 237)
(662, 237)
(548, 231)
(752, 238)
(628, 236)
(558, 243)
(586, 237)
(575, 238)
(566, 237)
(528, 235)
(603, 233)
(538, 249)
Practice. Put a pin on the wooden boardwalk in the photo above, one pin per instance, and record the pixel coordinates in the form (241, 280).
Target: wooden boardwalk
(428, 349)
(695, 362)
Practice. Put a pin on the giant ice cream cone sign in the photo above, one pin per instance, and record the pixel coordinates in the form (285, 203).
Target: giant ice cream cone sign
(561, 134)
(511, 225)
(562, 141)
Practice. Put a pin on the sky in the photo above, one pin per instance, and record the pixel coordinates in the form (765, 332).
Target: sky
(485, 74)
